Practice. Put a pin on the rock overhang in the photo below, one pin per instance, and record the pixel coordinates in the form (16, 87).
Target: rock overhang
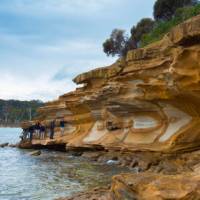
(148, 100)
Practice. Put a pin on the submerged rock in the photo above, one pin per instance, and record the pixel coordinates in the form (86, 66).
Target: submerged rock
(35, 153)
(4, 145)
(92, 155)
(13, 145)
(94, 194)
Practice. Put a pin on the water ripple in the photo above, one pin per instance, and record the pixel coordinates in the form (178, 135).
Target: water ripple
(46, 177)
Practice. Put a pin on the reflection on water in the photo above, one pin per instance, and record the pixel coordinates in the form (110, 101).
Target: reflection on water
(48, 176)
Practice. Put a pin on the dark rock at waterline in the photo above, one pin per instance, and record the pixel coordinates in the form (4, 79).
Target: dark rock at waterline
(35, 153)
(25, 145)
(13, 145)
(92, 155)
(4, 145)
(76, 153)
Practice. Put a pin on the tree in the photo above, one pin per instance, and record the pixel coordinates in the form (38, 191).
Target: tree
(144, 26)
(116, 44)
(130, 45)
(165, 9)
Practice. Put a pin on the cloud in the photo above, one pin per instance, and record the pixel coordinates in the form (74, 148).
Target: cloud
(45, 71)
(55, 7)
(47, 85)
(82, 66)
(41, 87)
(46, 43)
(69, 46)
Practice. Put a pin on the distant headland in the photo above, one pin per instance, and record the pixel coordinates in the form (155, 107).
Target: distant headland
(13, 112)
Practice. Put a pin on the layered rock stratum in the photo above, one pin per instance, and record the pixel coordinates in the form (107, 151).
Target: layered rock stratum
(147, 101)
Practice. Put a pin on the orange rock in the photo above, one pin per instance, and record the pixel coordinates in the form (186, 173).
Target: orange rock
(147, 186)
(149, 100)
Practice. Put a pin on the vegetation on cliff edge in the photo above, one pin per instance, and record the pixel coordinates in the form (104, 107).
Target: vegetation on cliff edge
(167, 14)
(162, 27)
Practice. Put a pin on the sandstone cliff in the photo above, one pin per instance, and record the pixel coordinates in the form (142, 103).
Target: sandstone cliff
(146, 101)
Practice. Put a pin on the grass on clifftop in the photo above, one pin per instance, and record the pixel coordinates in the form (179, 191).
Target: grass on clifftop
(163, 27)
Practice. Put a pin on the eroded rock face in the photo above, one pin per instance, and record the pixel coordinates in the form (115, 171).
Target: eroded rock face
(149, 100)
(149, 103)
(147, 186)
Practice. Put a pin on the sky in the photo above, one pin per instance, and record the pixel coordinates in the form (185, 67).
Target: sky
(44, 44)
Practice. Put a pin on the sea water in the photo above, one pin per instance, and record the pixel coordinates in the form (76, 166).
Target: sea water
(51, 175)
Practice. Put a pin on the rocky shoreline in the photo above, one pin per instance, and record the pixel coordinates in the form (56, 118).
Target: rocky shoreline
(155, 176)
(9, 145)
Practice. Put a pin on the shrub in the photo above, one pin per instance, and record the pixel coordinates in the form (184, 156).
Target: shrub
(165, 9)
(144, 26)
(116, 44)
(162, 27)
